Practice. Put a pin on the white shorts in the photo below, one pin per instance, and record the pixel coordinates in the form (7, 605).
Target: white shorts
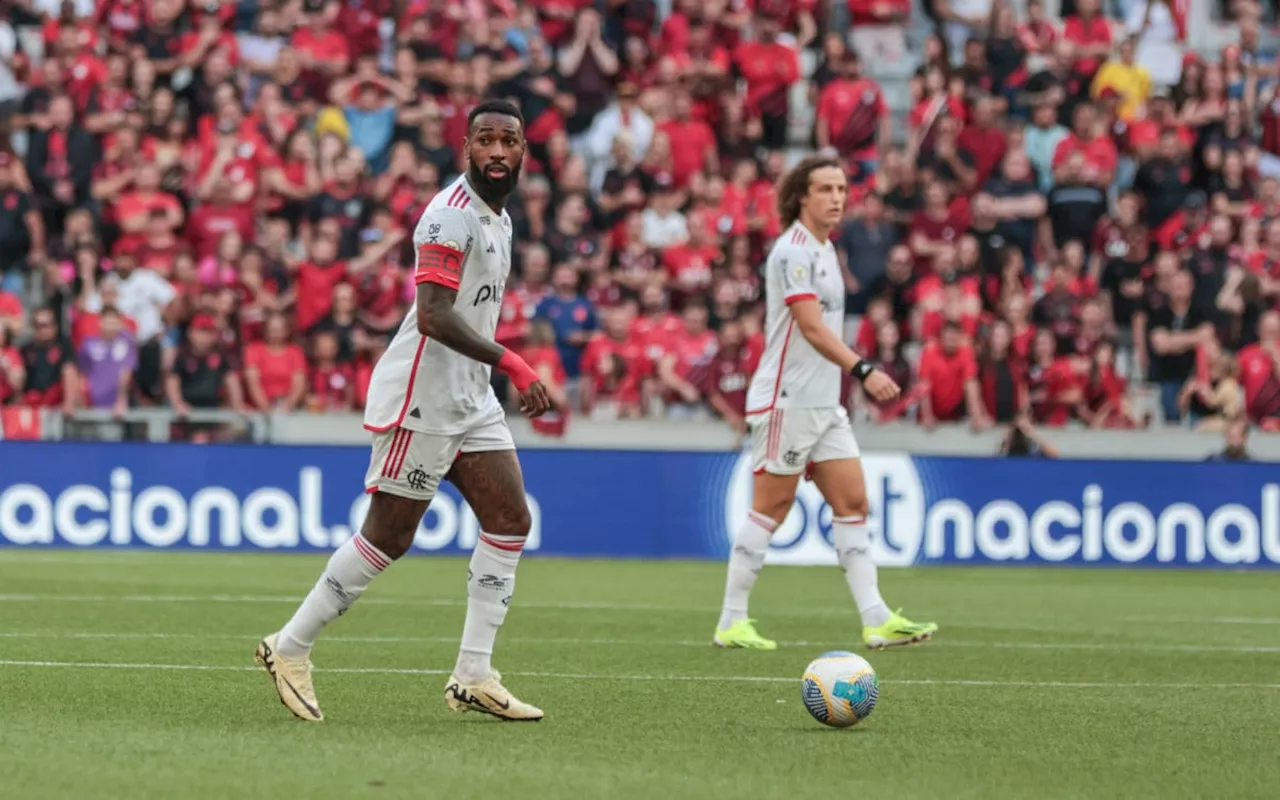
(411, 464)
(786, 441)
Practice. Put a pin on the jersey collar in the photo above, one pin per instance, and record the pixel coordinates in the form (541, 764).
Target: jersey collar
(475, 198)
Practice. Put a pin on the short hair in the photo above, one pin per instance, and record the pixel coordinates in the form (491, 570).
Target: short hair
(795, 185)
(494, 106)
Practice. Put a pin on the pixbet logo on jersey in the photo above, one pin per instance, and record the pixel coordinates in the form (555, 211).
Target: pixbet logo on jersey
(489, 293)
(919, 515)
(216, 517)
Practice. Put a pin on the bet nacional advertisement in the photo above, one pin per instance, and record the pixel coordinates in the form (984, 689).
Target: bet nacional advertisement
(627, 504)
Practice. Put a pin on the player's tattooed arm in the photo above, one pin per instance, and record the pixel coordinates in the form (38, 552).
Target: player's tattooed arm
(438, 320)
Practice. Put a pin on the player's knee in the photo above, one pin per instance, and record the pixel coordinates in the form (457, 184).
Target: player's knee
(391, 542)
(775, 509)
(521, 522)
(512, 521)
(855, 507)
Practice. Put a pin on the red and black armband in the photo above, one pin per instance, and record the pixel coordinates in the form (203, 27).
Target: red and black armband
(440, 265)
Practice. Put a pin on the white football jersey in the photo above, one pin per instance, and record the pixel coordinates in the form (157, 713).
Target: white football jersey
(420, 384)
(791, 373)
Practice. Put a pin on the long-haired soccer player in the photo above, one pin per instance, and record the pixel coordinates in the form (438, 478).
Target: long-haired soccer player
(794, 412)
(433, 415)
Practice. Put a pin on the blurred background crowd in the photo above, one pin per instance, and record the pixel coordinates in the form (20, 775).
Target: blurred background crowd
(1057, 210)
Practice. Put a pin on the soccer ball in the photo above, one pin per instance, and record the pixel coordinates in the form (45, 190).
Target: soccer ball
(840, 689)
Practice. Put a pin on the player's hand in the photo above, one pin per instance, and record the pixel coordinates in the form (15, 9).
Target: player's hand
(881, 387)
(535, 402)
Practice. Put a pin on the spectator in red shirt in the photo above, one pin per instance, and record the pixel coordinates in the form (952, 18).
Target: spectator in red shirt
(12, 315)
(543, 356)
(1260, 373)
(689, 264)
(1055, 384)
(275, 373)
(729, 376)
(935, 228)
(219, 216)
(1090, 32)
(145, 201)
(948, 375)
(1105, 403)
(984, 139)
(1001, 375)
(656, 325)
(1088, 138)
(613, 369)
(316, 278)
(853, 118)
(682, 368)
(50, 365)
(13, 372)
(323, 51)
(331, 384)
(770, 69)
(693, 143)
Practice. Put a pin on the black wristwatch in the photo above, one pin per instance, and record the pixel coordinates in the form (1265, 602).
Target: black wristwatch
(862, 369)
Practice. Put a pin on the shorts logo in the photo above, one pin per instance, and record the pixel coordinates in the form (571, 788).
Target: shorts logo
(792, 458)
(417, 479)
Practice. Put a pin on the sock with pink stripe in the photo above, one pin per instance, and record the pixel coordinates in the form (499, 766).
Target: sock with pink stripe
(491, 579)
(345, 578)
(852, 541)
(745, 563)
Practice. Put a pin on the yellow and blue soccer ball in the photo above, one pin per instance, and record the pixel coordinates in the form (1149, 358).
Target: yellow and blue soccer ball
(840, 689)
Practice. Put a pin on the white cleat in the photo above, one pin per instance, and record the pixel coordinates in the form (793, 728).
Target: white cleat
(292, 679)
(489, 697)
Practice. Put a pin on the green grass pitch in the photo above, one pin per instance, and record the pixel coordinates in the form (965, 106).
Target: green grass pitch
(129, 675)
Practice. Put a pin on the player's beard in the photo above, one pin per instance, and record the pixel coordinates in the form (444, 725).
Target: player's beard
(491, 189)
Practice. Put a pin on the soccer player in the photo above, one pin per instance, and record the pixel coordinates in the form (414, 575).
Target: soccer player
(433, 415)
(796, 422)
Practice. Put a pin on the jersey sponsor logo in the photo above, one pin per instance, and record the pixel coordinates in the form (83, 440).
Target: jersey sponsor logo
(489, 293)
(433, 233)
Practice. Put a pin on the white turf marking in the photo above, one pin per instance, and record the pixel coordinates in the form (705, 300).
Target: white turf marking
(678, 678)
(1206, 620)
(944, 643)
(295, 599)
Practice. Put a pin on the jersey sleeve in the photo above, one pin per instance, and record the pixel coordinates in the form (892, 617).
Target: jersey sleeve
(795, 266)
(441, 243)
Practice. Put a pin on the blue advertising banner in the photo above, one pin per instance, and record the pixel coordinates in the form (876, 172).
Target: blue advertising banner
(650, 505)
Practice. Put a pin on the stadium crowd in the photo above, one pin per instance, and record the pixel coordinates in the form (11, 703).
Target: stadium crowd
(210, 203)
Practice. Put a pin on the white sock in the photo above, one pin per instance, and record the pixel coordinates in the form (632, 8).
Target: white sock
(347, 575)
(491, 579)
(745, 563)
(853, 548)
